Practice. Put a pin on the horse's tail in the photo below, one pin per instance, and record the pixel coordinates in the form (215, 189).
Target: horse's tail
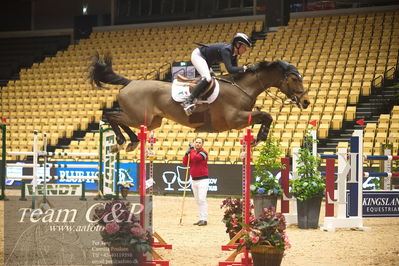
(101, 72)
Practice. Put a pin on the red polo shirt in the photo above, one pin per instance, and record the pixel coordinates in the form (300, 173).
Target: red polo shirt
(198, 163)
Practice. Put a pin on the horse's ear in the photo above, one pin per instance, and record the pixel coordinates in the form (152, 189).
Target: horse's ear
(285, 65)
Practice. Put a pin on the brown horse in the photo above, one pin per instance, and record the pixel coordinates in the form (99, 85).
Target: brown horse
(149, 101)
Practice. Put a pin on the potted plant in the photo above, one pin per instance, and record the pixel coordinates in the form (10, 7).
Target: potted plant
(122, 232)
(266, 188)
(266, 238)
(309, 187)
(233, 217)
(124, 187)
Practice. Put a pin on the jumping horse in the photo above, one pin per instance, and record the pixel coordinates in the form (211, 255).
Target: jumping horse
(149, 101)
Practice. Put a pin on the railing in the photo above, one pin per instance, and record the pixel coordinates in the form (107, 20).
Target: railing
(149, 73)
(377, 82)
(389, 74)
(161, 68)
(381, 81)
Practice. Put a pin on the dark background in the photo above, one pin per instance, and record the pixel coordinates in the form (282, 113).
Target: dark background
(58, 14)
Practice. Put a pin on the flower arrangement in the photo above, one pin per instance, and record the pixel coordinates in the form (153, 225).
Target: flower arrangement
(268, 229)
(121, 227)
(268, 160)
(309, 183)
(233, 215)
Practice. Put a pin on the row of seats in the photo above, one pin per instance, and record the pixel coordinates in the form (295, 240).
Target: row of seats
(337, 70)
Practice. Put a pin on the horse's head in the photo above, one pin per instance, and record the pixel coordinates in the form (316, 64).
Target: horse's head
(291, 85)
(287, 79)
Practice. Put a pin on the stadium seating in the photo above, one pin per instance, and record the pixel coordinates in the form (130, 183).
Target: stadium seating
(337, 55)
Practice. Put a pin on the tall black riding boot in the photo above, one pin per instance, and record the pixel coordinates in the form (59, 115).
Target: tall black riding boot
(199, 88)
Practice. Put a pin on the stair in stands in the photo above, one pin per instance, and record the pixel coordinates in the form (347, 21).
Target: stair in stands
(368, 108)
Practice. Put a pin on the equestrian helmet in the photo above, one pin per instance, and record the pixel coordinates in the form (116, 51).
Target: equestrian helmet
(242, 38)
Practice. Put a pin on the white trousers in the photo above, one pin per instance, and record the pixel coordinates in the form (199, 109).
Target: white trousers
(200, 189)
(200, 64)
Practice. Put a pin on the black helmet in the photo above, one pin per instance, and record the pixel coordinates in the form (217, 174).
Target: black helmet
(242, 39)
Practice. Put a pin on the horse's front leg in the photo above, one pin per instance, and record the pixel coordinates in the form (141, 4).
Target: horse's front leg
(265, 120)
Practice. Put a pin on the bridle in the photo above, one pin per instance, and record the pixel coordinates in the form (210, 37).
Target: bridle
(294, 99)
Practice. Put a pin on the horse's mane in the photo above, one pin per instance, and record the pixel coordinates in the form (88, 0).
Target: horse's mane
(286, 67)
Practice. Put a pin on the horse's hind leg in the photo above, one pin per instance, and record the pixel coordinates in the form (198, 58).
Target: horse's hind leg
(134, 141)
(114, 119)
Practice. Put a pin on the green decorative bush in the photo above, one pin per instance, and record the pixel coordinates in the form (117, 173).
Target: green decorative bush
(309, 183)
(268, 160)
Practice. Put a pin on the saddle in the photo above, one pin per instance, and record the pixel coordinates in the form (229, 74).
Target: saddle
(192, 82)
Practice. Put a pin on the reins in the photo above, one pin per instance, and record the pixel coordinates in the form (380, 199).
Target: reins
(294, 99)
(234, 84)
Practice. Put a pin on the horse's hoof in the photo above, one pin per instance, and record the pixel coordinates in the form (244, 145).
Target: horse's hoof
(255, 143)
(132, 146)
(116, 148)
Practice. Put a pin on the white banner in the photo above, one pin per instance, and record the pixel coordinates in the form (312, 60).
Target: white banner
(55, 189)
(109, 141)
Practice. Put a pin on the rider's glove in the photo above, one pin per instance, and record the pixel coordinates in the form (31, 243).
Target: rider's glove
(250, 68)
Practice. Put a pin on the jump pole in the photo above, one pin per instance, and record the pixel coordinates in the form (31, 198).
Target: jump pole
(246, 182)
(385, 166)
(142, 136)
(247, 190)
(352, 217)
(291, 216)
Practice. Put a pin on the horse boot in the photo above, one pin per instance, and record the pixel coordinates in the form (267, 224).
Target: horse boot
(188, 104)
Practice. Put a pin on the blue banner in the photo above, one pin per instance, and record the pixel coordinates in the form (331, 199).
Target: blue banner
(380, 203)
(128, 172)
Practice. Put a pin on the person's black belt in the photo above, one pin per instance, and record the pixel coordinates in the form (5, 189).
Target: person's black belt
(199, 178)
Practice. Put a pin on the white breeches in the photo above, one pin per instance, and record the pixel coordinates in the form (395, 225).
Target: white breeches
(200, 64)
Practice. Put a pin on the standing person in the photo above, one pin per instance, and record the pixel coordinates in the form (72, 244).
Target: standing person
(206, 55)
(200, 180)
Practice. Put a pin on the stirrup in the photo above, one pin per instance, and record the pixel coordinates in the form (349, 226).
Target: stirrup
(188, 109)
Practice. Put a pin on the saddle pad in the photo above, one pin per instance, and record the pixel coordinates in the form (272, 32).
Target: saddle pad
(181, 91)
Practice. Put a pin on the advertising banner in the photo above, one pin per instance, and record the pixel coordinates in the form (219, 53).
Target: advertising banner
(55, 189)
(223, 179)
(74, 232)
(128, 172)
(380, 204)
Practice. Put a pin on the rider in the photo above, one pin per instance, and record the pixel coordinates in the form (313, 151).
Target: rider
(207, 55)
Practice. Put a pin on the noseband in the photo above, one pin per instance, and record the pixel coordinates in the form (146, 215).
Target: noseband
(294, 99)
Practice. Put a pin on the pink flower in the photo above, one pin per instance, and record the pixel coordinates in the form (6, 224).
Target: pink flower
(254, 238)
(137, 231)
(286, 242)
(112, 228)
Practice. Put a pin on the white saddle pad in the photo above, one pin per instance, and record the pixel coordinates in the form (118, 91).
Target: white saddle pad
(180, 92)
